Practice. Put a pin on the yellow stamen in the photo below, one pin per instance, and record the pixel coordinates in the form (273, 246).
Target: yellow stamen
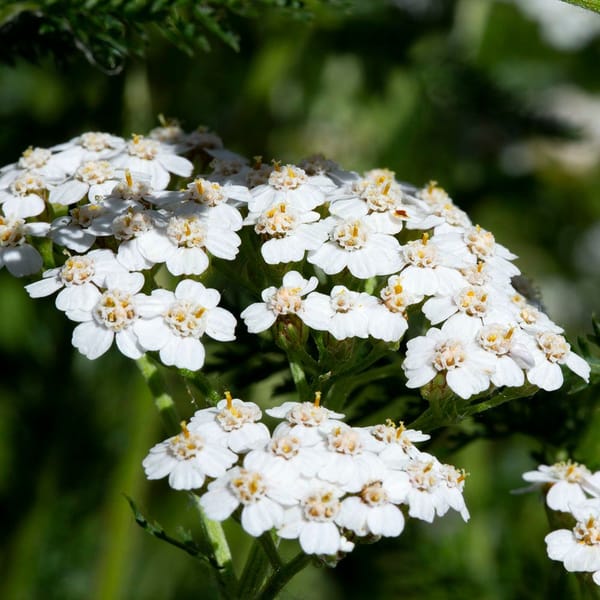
(232, 409)
(199, 187)
(400, 430)
(317, 399)
(184, 429)
(128, 178)
(425, 238)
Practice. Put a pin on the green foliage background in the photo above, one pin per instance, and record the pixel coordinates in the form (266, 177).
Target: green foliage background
(469, 93)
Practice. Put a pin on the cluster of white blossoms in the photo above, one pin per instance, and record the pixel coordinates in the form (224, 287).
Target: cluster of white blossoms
(352, 255)
(572, 488)
(315, 478)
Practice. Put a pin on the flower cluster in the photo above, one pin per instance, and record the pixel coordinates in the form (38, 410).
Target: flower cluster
(359, 254)
(572, 488)
(315, 478)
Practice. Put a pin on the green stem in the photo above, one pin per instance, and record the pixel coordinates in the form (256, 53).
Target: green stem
(162, 399)
(588, 590)
(214, 536)
(342, 387)
(299, 377)
(282, 576)
(255, 571)
(270, 549)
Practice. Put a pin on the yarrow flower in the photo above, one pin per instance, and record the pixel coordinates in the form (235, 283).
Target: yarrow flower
(567, 483)
(131, 258)
(172, 323)
(279, 302)
(453, 352)
(579, 548)
(238, 419)
(188, 458)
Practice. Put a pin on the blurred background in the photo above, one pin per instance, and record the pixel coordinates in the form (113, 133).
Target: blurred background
(498, 101)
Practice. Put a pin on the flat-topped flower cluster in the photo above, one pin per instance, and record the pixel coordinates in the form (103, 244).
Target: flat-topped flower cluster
(352, 255)
(572, 488)
(315, 478)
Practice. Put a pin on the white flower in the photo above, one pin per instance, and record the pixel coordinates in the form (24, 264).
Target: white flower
(238, 420)
(372, 511)
(379, 197)
(262, 495)
(289, 452)
(95, 179)
(286, 300)
(478, 301)
(92, 145)
(183, 244)
(19, 257)
(25, 197)
(510, 346)
(72, 231)
(154, 159)
(389, 321)
(289, 184)
(579, 549)
(188, 458)
(568, 483)
(426, 496)
(110, 318)
(454, 352)
(218, 201)
(39, 161)
(78, 279)
(396, 443)
(482, 244)
(441, 209)
(174, 322)
(552, 351)
(308, 421)
(130, 228)
(351, 460)
(129, 192)
(355, 244)
(452, 484)
(288, 232)
(213, 194)
(314, 522)
(344, 313)
(432, 265)
(530, 318)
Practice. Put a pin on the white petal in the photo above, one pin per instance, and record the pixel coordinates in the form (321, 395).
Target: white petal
(257, 317)
(21, 260)
(127, 343)
(68, 193)
(220, 325)
(187, 261)
(91, 340)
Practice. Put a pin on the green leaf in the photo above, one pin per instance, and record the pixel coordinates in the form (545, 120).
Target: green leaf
(593, 5)
(186, 544)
